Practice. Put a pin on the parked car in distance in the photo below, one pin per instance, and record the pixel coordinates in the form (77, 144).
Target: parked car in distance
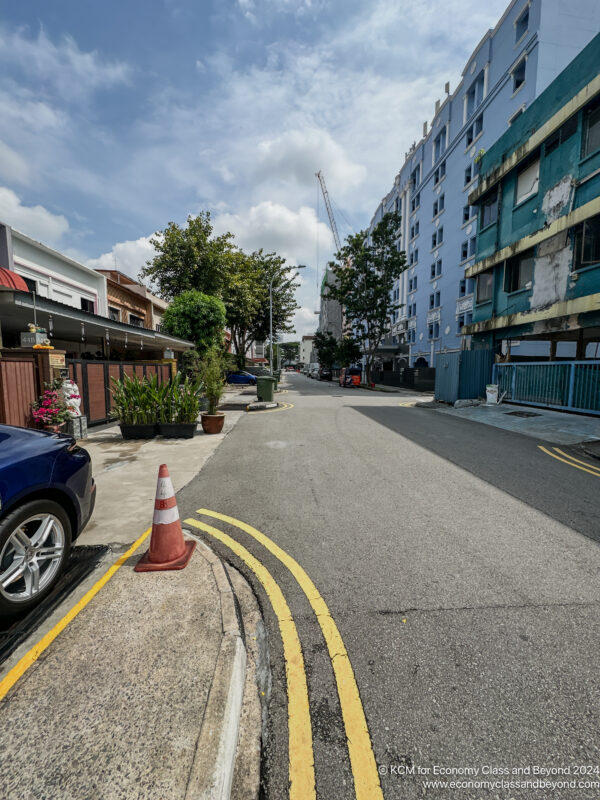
(241, 377)
(47, 496)
(325, 374)
(350, 376)
(313, 371)
(257, 371)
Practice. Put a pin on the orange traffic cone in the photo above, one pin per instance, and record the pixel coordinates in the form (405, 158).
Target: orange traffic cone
(168, 548)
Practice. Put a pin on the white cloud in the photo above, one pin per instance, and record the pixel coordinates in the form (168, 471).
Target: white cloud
(128, 257)
(34, 221)
(305, 323)
(297, 155)
(275, 227)
(65, 68)
(13, 167)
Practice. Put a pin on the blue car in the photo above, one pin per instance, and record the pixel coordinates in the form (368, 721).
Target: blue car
(241, 377)
(47, 496)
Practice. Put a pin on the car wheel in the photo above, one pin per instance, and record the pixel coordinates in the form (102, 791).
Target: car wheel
(35, 540)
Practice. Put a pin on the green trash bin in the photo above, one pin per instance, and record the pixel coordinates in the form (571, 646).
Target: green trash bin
(265, 386)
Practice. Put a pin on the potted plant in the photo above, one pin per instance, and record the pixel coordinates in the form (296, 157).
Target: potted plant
(212, 378)
(134, 405)
(51, 410)
(178, 404)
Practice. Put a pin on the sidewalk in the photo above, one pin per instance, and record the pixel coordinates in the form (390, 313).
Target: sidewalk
(141, 694)
(557, 427)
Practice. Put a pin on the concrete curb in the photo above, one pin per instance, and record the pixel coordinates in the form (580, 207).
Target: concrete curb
(214, 761)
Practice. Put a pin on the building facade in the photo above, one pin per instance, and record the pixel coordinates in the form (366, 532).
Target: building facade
(306, 346)
(512, 64)
(537, 267)
(131, 302)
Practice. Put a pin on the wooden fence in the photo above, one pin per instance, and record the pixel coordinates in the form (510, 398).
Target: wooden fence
(94, 381)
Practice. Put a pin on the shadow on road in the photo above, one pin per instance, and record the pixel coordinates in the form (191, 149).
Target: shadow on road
(507, 460)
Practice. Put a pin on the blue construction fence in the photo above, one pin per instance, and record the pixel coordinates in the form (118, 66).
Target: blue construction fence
(564, 385)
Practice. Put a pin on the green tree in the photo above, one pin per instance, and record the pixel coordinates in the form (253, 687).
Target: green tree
(198, 317)
(348, 351)
(365, 275)
(289, 352)
(189, 257)
(325, 345)
(244, 296)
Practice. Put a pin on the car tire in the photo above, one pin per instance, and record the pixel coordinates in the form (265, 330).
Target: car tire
(41, 562)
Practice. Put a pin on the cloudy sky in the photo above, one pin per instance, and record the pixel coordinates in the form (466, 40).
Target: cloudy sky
(117, 117)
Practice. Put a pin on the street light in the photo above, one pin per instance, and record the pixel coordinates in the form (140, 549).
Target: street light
(300, 266)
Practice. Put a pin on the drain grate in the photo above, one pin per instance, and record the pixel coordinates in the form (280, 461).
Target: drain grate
(522, 414)
(81, 562)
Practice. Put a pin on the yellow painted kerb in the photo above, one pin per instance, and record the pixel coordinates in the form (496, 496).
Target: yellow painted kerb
(360, 749)
(301, 758)
(36, 651)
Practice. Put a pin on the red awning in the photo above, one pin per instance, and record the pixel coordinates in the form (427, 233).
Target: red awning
(11, 280)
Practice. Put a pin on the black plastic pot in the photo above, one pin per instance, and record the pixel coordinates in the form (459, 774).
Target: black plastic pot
(138, 431)
(177, 430)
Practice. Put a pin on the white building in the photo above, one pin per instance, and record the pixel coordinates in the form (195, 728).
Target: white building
(306, 346)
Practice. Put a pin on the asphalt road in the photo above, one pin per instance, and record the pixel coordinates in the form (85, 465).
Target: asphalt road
(461, 566)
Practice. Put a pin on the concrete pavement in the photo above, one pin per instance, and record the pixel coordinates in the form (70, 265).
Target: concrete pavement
(141, 691)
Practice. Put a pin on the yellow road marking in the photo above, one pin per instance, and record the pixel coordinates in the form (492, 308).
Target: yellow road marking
(570, 463)
(360, 749)
(36, 651)
(283, 407)
(578, 460)
(301, 758)
(408, 405)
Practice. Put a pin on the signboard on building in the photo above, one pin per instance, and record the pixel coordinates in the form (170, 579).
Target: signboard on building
(56, 359)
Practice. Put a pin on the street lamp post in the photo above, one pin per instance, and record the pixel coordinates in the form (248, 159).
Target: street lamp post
(300, 266)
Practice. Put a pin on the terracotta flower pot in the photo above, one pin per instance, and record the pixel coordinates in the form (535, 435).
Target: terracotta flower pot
(212, 423)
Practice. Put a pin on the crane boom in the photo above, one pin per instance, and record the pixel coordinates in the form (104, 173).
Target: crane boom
(334, 229)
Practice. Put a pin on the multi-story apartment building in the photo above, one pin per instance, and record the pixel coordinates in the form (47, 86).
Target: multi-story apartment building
(512, 64)
(306, 346)
(537, 268)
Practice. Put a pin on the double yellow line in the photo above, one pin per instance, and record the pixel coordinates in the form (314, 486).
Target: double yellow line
(301, 757)
(566, 458)
(282, 407)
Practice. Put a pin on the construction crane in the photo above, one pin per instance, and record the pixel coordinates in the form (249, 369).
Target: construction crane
(334, 229)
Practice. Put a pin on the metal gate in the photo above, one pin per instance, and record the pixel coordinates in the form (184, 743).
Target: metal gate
(568, 385)
(462, 375)
(94, 381)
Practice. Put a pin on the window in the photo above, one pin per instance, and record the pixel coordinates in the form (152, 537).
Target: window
(439, 145)
(561, 135)
(439, 173)
(397, 205)
(518, 272)
(468, 317)
(518, 75)
(521, 25)
(472, 246)
(462, 288)
(437, 237)
(416, 176)
(434, 239)
(527, 181)
(415, 202)
(114, 314)
(587, 243)
(474, 130)
(474, 95)
(434, 300)
(489, 209)
(441, 203)
(87, 305)
(468, 174)
(485, 283)
(414, 230)
(137, 321)
(591, 129)
(464, 251)
(459, 323)
(414, 257)
(434, 330)
(436, 269)
(435, 208)
(466, 213)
